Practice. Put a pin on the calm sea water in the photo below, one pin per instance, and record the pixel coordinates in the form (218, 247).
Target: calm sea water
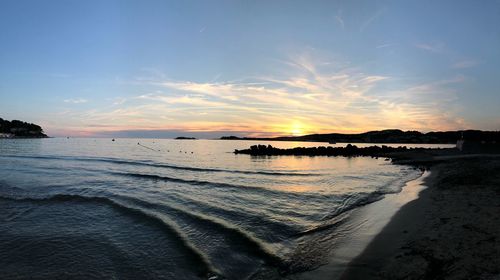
(190, 209)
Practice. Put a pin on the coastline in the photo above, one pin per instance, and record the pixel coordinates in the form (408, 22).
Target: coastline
(364, 224)
(450, 232)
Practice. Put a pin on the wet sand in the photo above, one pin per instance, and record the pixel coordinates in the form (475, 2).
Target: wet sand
(452, 231)
(362, 226)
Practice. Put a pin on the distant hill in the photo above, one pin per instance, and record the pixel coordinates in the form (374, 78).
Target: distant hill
(20, 129)
(185, 138)
(388, 136)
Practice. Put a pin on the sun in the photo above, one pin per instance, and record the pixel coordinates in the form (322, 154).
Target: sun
(296, 129)
(296, 132)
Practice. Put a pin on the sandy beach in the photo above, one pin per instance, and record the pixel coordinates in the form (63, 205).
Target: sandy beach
(451, 231)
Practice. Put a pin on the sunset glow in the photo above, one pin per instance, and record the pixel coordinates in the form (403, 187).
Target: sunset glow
(249, 139)
(350, 70)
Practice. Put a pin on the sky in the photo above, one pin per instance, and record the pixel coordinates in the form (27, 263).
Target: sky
(146, 68)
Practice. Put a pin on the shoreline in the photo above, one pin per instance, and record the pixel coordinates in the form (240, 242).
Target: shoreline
(450, 232)
(390, 238)
(364, 224)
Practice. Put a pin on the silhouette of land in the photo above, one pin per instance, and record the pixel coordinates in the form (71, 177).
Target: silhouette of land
(20, 129)
(387, 136)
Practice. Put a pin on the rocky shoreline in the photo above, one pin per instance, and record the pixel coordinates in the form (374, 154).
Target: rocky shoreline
(397, 154)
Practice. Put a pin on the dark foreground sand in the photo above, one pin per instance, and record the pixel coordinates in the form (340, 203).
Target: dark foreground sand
(451, 232)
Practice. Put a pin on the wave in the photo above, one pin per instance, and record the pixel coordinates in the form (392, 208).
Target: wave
(220, 185)
(143, 208)
(234, 234)
(352, 201)
(254, 220)
(195, 254)
(162, 165)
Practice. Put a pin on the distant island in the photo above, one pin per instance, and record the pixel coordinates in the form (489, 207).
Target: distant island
(185, 138)
(387, 136)
(20, 129)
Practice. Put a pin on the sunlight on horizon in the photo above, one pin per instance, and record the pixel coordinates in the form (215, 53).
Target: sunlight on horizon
(345, 67)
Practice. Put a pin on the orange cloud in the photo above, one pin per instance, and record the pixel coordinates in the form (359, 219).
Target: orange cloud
(312, 99)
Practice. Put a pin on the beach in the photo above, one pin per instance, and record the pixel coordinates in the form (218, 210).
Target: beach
(450, 232)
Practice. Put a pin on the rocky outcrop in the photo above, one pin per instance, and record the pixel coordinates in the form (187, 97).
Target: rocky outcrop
(347, 151)
(20, 129)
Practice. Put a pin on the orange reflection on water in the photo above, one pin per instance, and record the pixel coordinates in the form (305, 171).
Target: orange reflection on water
(296, 162)
(300, 188)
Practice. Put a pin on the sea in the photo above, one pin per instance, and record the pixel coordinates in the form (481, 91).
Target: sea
(85, 208)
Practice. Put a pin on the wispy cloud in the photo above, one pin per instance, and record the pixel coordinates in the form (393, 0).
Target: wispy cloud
(76, 100)
(431, 47)
(339, 19)
(188, 100)
(307, 97)
(465, 64)
(371, 19)
(384, 46)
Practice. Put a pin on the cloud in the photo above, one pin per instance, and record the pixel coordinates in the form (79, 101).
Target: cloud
(307, 95)
(465, 64)
(373, 79)
(384, 46)
(371, 19)
(339, 19)
(76, 100)
(431, 47)
(188, 100)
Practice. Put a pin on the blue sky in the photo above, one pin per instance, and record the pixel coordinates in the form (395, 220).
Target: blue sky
(211, 68)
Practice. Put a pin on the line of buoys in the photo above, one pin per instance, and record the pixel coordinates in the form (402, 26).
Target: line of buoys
(147, 147)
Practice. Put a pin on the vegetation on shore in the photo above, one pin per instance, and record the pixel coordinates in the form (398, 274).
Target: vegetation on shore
(20, 129)
(387, 136)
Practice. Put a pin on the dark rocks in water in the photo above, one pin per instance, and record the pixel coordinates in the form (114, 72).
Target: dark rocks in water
(185, 138)
(231, 138)
(348, 151)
